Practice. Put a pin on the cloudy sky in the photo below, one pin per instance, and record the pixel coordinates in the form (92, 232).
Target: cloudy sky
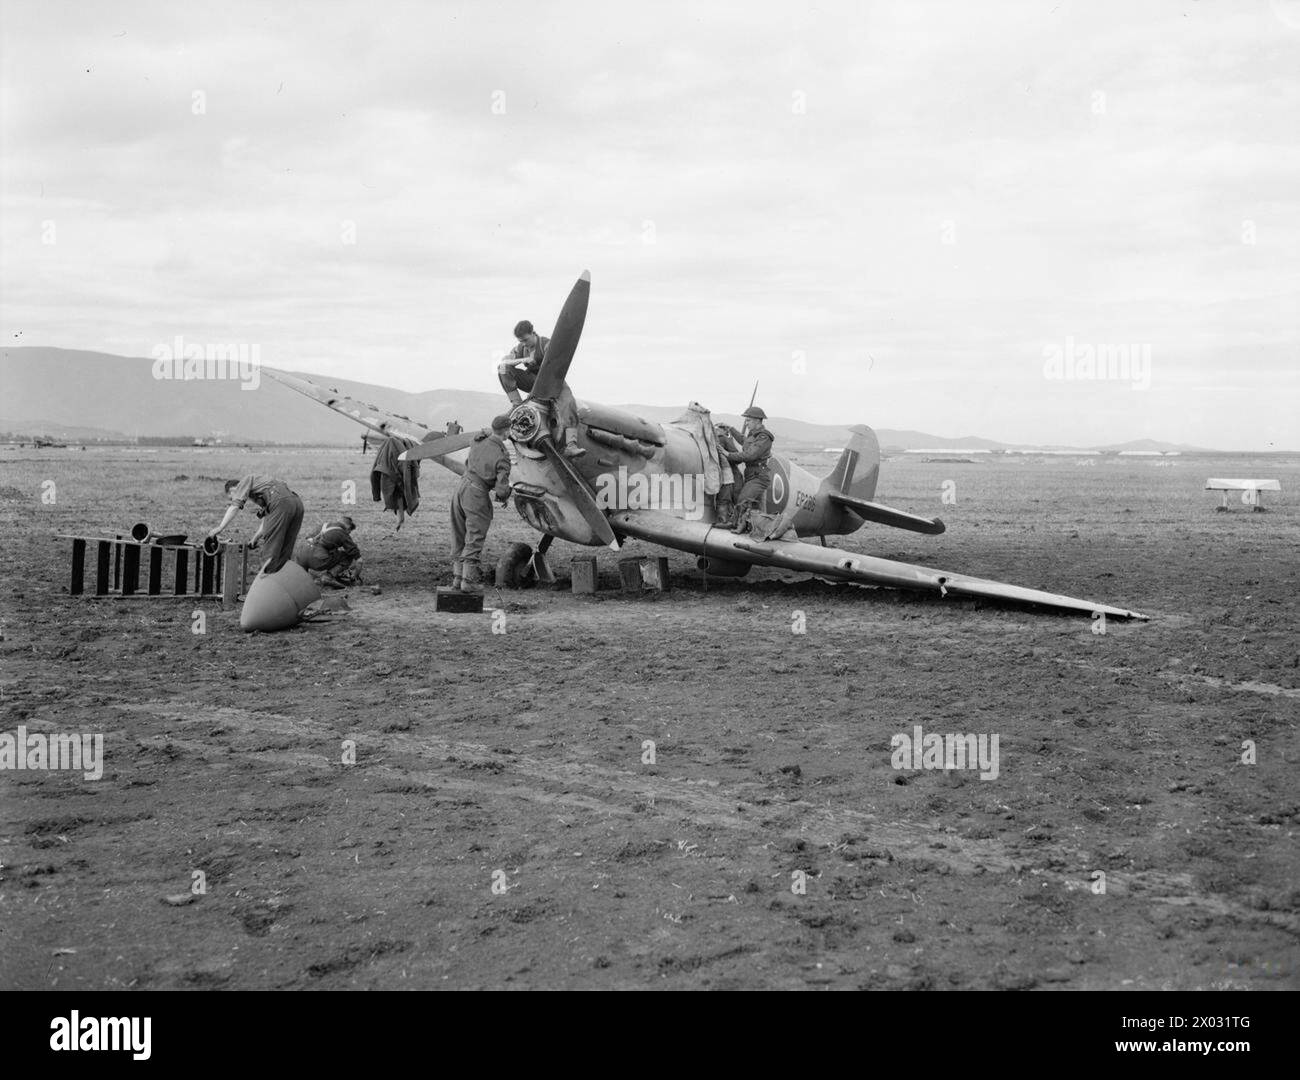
(886, 213)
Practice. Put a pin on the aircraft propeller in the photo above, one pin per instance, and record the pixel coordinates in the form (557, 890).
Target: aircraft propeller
(435, 446)
(564, 341)
(528, 424)
(549, 383)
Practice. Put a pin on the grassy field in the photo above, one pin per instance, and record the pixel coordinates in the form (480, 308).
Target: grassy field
(502, 824)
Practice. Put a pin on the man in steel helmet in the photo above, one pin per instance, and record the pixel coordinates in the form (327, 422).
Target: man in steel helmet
(755, 449)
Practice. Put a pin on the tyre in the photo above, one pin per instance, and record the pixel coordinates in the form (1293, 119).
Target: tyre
(513, 570)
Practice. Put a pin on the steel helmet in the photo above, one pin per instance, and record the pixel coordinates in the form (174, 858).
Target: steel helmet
(754, 413)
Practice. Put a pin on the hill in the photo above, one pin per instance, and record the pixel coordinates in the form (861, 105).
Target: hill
(86, 395)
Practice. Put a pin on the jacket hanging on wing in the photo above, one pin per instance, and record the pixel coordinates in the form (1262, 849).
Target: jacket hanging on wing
(396, 483)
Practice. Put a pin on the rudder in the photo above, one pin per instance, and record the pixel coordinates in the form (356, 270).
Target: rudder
(858, 469)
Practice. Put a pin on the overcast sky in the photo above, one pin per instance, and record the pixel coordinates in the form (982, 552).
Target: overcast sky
(886, 213)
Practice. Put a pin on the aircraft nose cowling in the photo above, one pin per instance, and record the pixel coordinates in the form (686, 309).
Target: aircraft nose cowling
(275, 601)
(546, 513)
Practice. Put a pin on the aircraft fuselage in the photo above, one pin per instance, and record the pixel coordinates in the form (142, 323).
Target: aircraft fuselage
(633, 464)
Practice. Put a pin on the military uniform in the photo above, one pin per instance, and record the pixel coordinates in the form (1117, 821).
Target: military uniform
(753, 454)
(724, 503)
(281, 510)
(331, 551)
(487, 473)
(512, 377)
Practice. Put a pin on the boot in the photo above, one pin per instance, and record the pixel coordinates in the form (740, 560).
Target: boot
(507, 378)
(471, 577)
(457, 574)
(571, 447)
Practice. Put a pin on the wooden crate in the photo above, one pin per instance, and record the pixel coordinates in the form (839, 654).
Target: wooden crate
(654, 572)
(584, 574)
(119, 562)
(453, 600)
(630, 569)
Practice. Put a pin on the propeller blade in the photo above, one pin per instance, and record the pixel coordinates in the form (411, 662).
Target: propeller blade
(434, 448)
(564, 340)
(577, 490)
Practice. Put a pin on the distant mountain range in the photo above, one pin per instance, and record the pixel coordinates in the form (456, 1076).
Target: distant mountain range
(88, 396)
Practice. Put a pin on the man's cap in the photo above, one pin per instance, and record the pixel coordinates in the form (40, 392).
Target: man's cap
(346, 522)
(755, 413)
(501, 423)
(522, 328)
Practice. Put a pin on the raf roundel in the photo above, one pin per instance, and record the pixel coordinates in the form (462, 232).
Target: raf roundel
(778, 490)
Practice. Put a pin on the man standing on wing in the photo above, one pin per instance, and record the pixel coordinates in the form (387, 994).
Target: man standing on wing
(754, 452)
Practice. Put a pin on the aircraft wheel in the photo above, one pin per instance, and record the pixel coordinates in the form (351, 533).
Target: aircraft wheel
(513, 570)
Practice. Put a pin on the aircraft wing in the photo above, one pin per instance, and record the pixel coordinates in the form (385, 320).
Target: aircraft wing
(1214, 484)
(702, 538)
(887, 515)
(368, 416)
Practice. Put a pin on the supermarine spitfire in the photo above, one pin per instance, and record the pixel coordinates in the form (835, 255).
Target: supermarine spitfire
(557, 494)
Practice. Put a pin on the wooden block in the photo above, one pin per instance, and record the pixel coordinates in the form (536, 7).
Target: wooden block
(231, 584)
(78, 568)
(130, 569)
(182, 570)
(655, 573)
(630, 570)
(584, 573)
(454, 600)
(102, 567)
(154, 586)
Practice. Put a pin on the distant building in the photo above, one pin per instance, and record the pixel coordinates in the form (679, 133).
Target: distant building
(946, 450)
(1058, 453)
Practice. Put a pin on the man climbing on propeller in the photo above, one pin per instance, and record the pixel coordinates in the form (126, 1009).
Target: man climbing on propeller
(518, 371)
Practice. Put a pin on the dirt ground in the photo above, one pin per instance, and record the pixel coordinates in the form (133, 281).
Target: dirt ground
(516, 758)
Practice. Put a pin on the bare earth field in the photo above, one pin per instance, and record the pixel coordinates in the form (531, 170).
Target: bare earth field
(521, 752)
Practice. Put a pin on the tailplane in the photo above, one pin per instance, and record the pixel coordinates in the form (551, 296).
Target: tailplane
(852, 487)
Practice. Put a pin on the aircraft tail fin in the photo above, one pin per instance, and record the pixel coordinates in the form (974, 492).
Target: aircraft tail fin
(851, 486)
(858, 469)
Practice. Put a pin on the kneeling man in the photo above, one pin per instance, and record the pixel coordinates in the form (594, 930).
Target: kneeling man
(331, 556)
